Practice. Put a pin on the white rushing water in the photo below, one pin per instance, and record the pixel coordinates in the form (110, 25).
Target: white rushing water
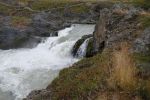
(24, 70)
(82, 49)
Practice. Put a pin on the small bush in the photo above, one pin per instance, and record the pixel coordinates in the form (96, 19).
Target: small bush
(124, 70)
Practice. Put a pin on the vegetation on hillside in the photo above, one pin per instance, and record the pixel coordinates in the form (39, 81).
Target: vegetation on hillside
(142, 3)
(5, 9)
(112, 73)
(145, 20)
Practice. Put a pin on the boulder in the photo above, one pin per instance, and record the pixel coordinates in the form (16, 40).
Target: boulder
(99, 34)
(11, 38)
(14, 38)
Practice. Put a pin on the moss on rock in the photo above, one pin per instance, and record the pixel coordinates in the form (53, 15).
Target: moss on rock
(79, 43)
(89, 51)
(77, 46)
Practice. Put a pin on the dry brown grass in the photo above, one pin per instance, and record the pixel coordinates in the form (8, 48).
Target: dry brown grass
(124, 71)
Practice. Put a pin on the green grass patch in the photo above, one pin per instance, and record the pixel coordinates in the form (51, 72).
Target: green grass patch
(90, 76)
(142, 3)
(48, 4)
(5, 9)
(144, 20)
(142, 57)
(79, 9)
(81, 80)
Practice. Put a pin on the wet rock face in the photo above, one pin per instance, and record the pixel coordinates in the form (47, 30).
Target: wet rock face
(99, 34)
(90, 50)
(142, 44)
(46, 24)
(79, 43)
(11, 38)
(112, 28)
(14, 38)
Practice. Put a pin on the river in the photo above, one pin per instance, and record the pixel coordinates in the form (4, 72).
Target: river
(23, 70)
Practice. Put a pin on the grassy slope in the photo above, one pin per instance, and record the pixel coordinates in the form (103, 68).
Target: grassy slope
(103, 76)
(82, 79)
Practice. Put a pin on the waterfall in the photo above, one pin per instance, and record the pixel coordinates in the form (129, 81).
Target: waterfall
(82, 49)
(24, 70)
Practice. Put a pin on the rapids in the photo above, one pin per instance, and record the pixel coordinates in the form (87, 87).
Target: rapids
(24, 70)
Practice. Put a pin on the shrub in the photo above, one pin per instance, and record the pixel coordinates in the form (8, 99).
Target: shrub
(124, 71)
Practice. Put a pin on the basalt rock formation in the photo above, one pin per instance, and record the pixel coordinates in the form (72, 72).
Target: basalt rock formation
(97, 40)
(99, 35)
(118, 24)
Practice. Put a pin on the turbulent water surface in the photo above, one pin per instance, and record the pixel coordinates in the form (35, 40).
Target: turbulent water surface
(24, 70)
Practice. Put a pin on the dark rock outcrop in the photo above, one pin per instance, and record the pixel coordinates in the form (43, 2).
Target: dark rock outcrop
(99, 34)
(11, 38)
(97, 42)
(115, 25)
(90, 46)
